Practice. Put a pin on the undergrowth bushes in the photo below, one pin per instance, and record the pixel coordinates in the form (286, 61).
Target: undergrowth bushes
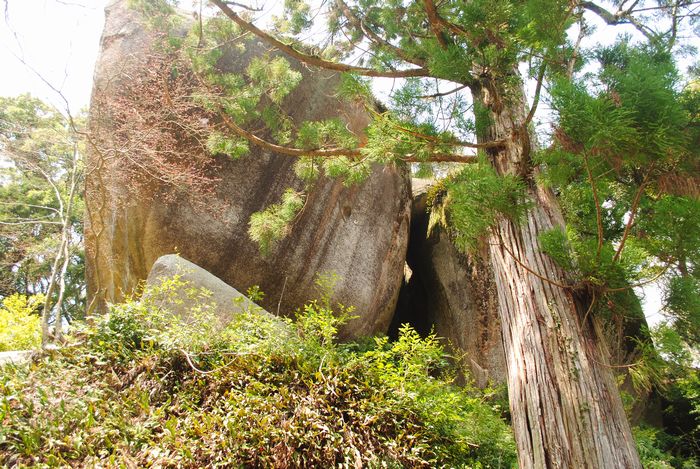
(141, 388)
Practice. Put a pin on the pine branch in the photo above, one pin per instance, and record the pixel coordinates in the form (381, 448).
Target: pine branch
(374, 37)
(354, 153)
(315, 60)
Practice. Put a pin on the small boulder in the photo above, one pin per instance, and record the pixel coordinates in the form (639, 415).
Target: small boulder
(15, 357)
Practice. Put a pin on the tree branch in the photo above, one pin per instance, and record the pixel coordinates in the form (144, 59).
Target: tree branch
(314, 60)
(598, 215)
(446, 93)
(633, 212)
(435, 24)
(536, 98)
(246, 7)
(354, 153)
(374, 37)
(620, 17)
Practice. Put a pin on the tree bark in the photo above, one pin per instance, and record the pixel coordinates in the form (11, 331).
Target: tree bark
(565, 405)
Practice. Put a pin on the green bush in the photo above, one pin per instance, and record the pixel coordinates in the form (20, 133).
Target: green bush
(263, 392)
(20, 324)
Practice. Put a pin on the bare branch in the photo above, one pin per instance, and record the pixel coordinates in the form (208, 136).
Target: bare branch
(446, 93)
(620, 17)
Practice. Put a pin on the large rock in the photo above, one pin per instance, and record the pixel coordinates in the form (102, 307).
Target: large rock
(199, 286)
(454, 294)
(135, 216)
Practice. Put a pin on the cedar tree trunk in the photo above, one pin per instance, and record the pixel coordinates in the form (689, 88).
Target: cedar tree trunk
(565, 405)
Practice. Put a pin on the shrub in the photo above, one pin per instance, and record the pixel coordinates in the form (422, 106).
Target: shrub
(20, 324)
(263, 393)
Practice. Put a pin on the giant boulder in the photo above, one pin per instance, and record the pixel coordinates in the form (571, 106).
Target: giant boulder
(452, 294)
(138, 211)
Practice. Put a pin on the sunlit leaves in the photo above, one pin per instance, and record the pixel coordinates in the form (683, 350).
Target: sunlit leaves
(253, 392)
(295, 18)
(331, 133)
(273, 76)
(235, 147)
(477, 198)
(271, 225)
(393, 139)
(20, 322)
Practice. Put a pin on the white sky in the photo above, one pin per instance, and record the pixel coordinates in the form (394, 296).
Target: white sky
(60, 40)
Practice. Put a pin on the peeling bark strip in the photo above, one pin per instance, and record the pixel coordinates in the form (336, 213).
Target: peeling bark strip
(565, 405)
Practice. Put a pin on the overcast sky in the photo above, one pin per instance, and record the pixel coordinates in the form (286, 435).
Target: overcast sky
(58, 38)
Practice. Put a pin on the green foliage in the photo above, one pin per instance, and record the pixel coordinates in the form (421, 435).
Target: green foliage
(327, 133)
(20, 323)
(624, 151)
(273, 76)
(476, 198)
(253, 396)
(295, 18)
(353, 87)
(348, 170)
(269, 226)
(42, 162)
(683, 303)
(390, 139)
(161, 15)
(681, 393)
(235, 147)
(654, 447)
(625, 132)
(307, 169)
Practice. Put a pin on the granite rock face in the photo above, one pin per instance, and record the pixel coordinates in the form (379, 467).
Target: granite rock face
(454, 294)
(223, 299)
(360, 232)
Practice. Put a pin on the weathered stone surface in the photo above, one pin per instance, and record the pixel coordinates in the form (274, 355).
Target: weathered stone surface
(221, 297)
(453, 293)
(358, 232)
(15, 357)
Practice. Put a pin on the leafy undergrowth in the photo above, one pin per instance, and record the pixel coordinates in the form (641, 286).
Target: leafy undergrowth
(145, 389)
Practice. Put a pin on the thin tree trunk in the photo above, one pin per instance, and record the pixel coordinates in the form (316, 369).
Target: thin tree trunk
(58, 328)
(565, 405)
(46, 313)
(65, 245)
